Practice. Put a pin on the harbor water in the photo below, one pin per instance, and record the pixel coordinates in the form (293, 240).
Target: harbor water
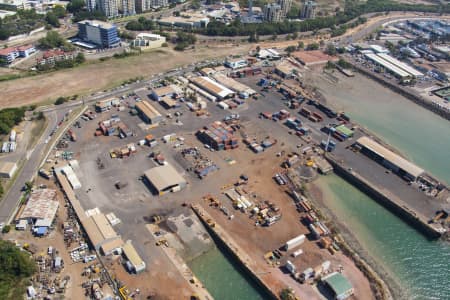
(223, 278)
(421, 266)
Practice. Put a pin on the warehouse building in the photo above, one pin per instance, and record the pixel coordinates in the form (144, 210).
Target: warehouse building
(165, 179)
(394, 66)
(243, 90)
(172, 91)
(148, 113)
(100, 231)
(236, 63)
(389, 159)
(339, 285)
(41, 208)
(7, 169)
(405, 67)
(212, 87)
(135, 262)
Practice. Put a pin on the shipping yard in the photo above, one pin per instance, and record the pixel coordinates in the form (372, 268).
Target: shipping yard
(136, 185)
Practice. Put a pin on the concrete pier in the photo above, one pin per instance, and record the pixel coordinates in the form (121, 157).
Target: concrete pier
(226, 243)
(388, 200)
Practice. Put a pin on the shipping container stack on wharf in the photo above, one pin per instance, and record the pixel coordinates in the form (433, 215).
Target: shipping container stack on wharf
(218, 136)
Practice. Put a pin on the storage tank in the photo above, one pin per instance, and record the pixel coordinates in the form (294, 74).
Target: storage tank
(295, 242)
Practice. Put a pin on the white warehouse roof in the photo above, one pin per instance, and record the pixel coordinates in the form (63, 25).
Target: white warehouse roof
(400, 64)
(390, 156)
(212, 87)
(396, 70)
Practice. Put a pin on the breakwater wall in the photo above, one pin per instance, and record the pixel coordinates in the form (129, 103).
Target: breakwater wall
(400, 209)
(227, 245)
(404, 92)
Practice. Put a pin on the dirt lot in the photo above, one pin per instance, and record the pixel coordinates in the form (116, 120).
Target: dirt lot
(257, 241)
(102, 75)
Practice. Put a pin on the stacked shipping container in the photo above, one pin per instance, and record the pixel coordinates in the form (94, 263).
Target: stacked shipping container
(218, 136)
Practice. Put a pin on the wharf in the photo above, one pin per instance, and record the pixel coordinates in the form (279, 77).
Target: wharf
(228, 244)
(387, 199)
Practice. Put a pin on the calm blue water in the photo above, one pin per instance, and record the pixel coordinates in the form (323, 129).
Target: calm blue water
(223, 279)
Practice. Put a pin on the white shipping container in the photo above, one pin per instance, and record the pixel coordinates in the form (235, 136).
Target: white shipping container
(223, 105)
(297, 253)
(295, 242)
(326, 265)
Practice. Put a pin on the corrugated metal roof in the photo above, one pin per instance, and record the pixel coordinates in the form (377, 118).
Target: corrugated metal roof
(400, 64)
(233, 84)
(111, 245)
(211, 86)
(393, 68)
(41, 204)
(163, 177)
(132, 255)
(338, 283)
(147, 109)
(390, 156)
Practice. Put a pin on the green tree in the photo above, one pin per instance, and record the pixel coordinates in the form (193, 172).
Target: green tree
(75, 6)
(15, 267)
(52, 19)
(312, 46)
(52, 40)
(79, 59)
(59, 11)
(290, 49)
(301, 45)
(330, 49)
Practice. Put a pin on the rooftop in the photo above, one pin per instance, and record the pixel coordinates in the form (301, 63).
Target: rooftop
(132, 255)
(97, 23)
(147, 109)
(312, 57)
(338, 283)
(211, 86)
(7, 166)
(163, 177)
(390, 156)
(41, 204)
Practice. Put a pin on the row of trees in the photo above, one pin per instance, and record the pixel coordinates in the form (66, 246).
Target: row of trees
(22, 22)
(15, 267)
(141, 24)
(353, 10)
(9, 117)
(184, 40)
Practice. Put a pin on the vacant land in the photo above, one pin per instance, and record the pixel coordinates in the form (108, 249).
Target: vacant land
(102, 75)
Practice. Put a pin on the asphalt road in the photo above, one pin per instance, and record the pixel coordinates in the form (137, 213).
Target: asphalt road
(10, 201)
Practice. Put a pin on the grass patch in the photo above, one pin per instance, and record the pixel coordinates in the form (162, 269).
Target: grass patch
(36, 132)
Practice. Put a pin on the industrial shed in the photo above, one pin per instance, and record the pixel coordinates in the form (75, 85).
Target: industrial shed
(339, 285)
(135, 261)
(148, 113)
(165, 179)
(41, 205)
(212, 87)
(236, 86)
(7, 169)
(99, 230)
(172, 91)
(389, 159)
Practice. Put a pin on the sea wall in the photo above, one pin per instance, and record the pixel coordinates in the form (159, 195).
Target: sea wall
(224, 244)
(404, 92)
(387, 201)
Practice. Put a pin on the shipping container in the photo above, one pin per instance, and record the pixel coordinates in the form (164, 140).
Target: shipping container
(305, 112)
(290, 267)
(297, 253)
(295, 242)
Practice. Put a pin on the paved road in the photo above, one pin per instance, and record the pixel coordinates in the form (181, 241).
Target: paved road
(10, 201)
